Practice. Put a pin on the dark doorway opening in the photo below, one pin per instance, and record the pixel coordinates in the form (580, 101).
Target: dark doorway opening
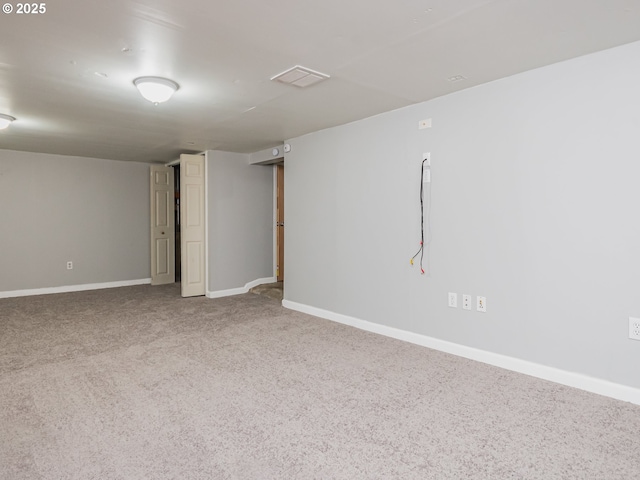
(176, 206)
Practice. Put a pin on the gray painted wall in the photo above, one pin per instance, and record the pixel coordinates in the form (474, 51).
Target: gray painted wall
(240, 211)
(535, 200)
(56, 208)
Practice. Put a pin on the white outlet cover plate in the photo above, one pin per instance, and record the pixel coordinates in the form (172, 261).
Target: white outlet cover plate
(453, 300)
(481, 304)
(634, 328)
(466, 302)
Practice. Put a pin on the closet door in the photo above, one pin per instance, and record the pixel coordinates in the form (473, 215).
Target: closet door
(192, 226)
(162, 226)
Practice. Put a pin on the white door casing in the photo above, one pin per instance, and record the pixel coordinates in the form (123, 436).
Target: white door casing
(162, 226)
(192, 226)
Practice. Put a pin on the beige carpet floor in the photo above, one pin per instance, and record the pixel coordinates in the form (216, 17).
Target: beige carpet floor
(271, 290)
(138, 383)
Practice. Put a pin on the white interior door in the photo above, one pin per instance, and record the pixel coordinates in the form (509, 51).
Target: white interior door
(162, 226)
(192, 225)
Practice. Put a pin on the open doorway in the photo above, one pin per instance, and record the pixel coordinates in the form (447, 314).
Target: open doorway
(177, 213)
(276, 290)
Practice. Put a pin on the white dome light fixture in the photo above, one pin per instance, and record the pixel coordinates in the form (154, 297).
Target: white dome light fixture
(156, 89)
(5, 120)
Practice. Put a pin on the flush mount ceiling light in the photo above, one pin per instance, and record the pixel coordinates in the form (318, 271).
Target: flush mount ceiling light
(300, 76)
(5, 120)
(156, 89)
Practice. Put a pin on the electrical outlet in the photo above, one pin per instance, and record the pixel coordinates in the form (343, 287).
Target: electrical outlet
(69, 265)
(453, 300)
(634, 328)
(481, 304)
(466, 302)
(426, 156)
(422, 124)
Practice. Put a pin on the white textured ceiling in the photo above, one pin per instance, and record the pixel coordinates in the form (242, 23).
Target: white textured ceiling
(381, 56)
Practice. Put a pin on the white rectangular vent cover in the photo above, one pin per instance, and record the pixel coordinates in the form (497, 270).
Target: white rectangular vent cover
(300, 76)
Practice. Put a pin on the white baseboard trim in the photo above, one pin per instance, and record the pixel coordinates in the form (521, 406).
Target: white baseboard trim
(73, 288)
(240, 290)
(571, 379)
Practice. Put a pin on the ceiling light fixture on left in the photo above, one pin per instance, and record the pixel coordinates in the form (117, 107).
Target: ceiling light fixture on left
(156, 89)
(5, 120)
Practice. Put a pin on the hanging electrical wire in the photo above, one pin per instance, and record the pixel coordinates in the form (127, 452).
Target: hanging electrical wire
(423, 180)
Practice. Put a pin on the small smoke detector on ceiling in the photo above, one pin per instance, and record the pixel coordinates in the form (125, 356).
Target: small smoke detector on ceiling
(300, 76)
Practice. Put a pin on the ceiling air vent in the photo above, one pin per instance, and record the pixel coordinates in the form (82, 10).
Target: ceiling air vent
(300, 76)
